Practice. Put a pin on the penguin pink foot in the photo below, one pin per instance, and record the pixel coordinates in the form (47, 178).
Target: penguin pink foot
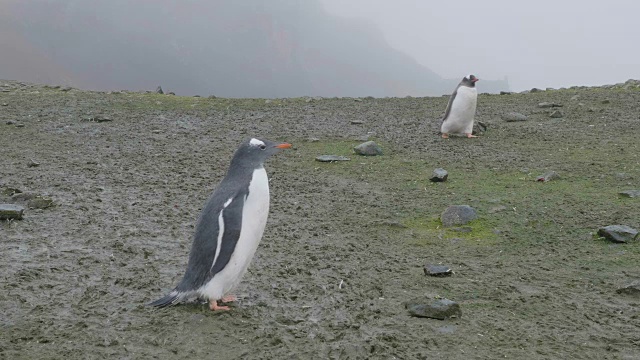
(470, 135)
(445, 136)
(213, 305)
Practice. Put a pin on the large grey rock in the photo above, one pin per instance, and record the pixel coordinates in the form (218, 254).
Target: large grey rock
(458, 215)
(331, 158)
(550, 176)
(436, 309)
(437, 270)
(368, 148)
(618, 233)
(556, 114)
(439, 175)
(630, 193)
(513, 116)
(631, 289)
(546, 104)
(11, 212)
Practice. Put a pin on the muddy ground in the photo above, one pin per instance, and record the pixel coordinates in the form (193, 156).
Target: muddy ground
(532, 279)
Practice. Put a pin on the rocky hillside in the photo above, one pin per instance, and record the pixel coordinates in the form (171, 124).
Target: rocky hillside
(280, 48)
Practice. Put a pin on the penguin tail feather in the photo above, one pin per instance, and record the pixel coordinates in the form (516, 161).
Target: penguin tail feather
(170, 299)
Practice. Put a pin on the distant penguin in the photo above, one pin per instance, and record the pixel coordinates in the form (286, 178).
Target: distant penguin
(461, 109)
(229, 229)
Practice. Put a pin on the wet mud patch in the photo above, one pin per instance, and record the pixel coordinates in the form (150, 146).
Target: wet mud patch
(346, 243)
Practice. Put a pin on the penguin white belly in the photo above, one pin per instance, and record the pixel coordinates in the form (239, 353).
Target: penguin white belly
(254, 220)
(462, 112)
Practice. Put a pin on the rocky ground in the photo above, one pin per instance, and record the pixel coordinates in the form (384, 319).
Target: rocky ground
(112, 184)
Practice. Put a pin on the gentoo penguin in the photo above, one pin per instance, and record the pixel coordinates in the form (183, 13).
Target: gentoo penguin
(229, 229)
(458, 118)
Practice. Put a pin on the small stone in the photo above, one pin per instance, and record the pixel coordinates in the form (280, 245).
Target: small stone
(171, 93)
(357, 99)
(618, 233)
(11, 212)
(545, 105)
(5, 104)
(40, 202)
(10, 122)
(437, 270)
(556, 114)
(631, 289)
(440, 309)
(33, 163)
(575, 97)
(479, 128)
(439, 175)
(513, 116)
(357, 122)
(65, 89)
(331, 158)
(313, 139)
(19, 125)
(550, 176)
(159, 90)
(196, 96)
(458, 215)
(505, 93)
(606, 101)
(268, 101)
(630, 193)
(212, 97)
(8, 191)
(535, 90)
(368, 148)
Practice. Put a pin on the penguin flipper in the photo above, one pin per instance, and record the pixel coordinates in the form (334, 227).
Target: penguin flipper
(449, 104)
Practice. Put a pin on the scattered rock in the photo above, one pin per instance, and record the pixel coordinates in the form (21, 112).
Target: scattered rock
(357, 99)
(196, 96)
(40, 202)
(436, 309)
(550, 176)
(98, 118)
(631, 289)
(556, 114)
(368, 148)
(575, 97)
(618, 233)
(606, 101)
(268, 101)
(11, 212)
(171, 93)
(479, 128)
(357, 122)
(19, 125)
(630, 193)
(212, 97)
(496, 209)
(65, 89)
(505, 93)
(437, 270)
(10, 122)
(159, 90)
(439, 175)
(535, 90)
(313, 139)
(331, 158)
(33, 163)
(458, 215)
(513, 116)
(545, 105)
(8, 191)
(5, 104)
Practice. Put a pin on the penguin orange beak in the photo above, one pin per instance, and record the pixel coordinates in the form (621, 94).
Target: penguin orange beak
(283, 146)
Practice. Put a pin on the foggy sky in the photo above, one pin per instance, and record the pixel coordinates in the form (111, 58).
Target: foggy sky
(540, 43)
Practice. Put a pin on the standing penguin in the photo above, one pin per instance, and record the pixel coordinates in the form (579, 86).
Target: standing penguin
(461, 109)
(229, 229)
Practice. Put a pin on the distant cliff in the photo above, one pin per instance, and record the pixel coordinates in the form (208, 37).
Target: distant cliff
(249, 48)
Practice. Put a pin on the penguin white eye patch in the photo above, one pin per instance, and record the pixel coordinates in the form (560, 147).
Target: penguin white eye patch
(256, 142)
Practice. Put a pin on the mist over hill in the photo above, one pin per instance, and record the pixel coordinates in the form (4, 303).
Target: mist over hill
(250, 48)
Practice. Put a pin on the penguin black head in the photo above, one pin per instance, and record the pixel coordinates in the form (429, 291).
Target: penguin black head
(254, 152)
(470, 80)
